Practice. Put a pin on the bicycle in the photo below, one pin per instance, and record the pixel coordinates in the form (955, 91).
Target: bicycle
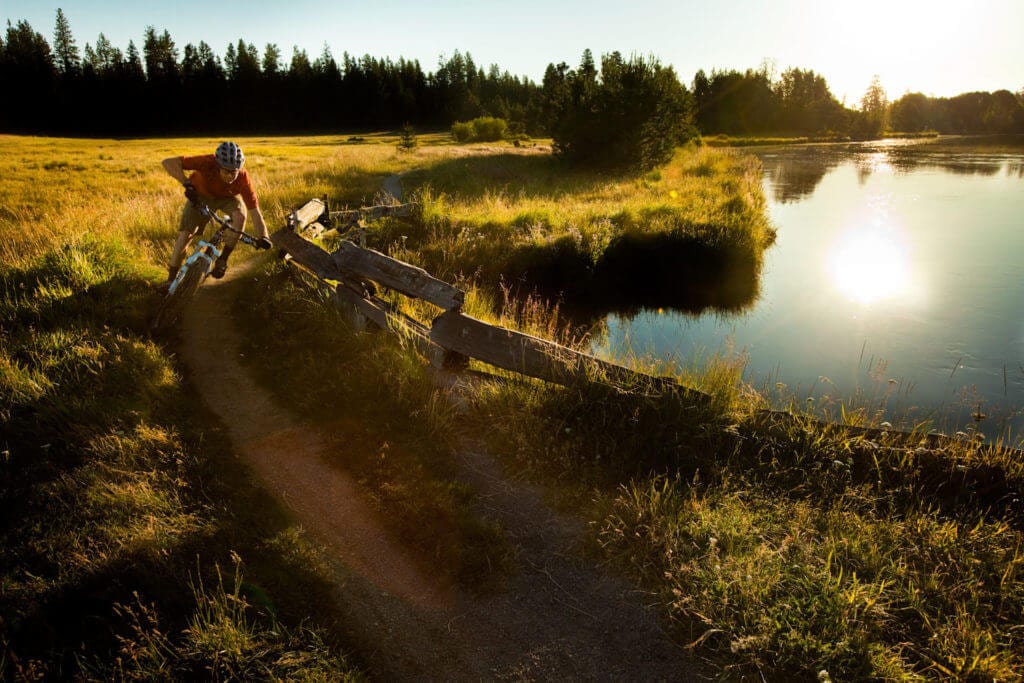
(195, 270)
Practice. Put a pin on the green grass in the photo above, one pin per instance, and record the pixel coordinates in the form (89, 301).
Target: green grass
(781, 548)
(119, 500)
(911, 136)
(791, 587)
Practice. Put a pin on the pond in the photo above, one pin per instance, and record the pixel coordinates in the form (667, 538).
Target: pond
(896, 286)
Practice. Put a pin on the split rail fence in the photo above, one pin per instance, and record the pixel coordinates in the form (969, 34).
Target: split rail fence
(353, 272)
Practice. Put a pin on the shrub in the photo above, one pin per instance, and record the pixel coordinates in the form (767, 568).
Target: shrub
(633, 116)
(462, 131)
(480, 129)
(489, 129)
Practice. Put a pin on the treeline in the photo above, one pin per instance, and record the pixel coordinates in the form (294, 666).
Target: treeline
(972, 113)
(100, 89)
(799, 103)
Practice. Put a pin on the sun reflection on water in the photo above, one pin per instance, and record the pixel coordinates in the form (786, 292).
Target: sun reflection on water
(871, 264)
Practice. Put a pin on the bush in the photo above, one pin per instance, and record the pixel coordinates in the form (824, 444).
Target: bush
(462, 131)
(489, 129)
(633, 116)
(481, 129)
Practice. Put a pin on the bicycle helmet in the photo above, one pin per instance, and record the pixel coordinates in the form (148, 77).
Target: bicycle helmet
(229, 156)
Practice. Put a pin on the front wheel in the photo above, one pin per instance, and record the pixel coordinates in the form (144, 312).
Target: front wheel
(174, 303)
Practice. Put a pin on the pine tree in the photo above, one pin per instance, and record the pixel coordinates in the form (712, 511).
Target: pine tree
(161, 57)
(634, 115)
(300, 67)
(231, 62)
(64, 47)
(105, 55)
(271, 60)
(133, 63)
(28, 71)
(408, 141)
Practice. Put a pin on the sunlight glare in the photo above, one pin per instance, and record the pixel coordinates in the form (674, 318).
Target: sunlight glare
(870, 265)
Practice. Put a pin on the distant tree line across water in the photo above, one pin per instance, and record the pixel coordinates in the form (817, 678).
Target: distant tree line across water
(101, 90)
(799, 103)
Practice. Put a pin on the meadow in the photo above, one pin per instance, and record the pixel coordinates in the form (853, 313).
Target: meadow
(134, 547)
(778, 548)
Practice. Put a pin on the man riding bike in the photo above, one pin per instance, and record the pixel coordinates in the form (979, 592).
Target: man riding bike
(218, 181)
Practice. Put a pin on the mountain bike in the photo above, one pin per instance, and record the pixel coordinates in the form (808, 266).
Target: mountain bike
(195, 269)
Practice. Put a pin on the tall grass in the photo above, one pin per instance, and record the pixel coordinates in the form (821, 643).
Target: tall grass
(224, 640)
(789, 586)
(781, 551)
(113, 483)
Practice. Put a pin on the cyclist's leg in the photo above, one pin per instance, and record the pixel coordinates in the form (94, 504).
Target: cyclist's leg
(191, 223)
(234, 207)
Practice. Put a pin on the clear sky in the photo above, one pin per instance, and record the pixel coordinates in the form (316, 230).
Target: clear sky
(935, 47)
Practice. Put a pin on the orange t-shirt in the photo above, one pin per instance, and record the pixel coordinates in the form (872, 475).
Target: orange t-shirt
(208, 181)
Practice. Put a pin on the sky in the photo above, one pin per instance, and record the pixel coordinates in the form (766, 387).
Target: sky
(937, 48)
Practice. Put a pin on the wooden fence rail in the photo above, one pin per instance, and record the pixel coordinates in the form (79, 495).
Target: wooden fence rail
(396, 275)
(452, 337)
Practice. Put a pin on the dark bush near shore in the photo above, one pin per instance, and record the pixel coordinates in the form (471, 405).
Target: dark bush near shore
(633, 115)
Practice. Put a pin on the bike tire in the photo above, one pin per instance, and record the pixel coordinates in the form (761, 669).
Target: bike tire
(174, 303)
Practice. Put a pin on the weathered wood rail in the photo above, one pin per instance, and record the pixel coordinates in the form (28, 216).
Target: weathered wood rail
(452, 338)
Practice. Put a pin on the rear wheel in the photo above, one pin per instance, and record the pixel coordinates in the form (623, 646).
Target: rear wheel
(174, 303)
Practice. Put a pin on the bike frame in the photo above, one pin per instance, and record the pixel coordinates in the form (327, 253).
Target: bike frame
(208, 251)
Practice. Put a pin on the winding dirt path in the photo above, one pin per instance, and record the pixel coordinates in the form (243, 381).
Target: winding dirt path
(286, 455)
(560, 617)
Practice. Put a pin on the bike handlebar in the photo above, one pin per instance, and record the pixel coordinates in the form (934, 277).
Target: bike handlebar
(225, 224)
(207, 212)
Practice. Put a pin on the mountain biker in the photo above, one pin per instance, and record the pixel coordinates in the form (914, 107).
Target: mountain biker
(219, 181)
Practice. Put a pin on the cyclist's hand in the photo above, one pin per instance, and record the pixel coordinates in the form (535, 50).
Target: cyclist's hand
(191, 193)
(264, 243)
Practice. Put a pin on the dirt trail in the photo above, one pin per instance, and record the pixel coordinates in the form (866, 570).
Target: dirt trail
(560, 618)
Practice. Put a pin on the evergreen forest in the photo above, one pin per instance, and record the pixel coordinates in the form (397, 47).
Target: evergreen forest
(61, 86)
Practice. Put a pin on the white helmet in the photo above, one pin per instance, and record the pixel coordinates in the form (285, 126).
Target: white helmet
(229, 156)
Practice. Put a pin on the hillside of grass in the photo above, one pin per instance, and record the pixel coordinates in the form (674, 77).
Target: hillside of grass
(135, 547)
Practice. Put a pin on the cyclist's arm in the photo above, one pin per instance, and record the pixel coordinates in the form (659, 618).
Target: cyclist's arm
(173, 166)
(258, 222)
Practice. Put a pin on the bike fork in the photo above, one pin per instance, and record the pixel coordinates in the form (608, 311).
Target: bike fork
(194, 260)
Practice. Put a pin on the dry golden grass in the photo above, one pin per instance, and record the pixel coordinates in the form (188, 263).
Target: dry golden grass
(55, 189)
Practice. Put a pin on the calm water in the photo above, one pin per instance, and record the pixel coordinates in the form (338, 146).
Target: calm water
(897, 282)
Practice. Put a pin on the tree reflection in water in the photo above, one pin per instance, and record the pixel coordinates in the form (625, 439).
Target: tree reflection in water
(794, 173)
